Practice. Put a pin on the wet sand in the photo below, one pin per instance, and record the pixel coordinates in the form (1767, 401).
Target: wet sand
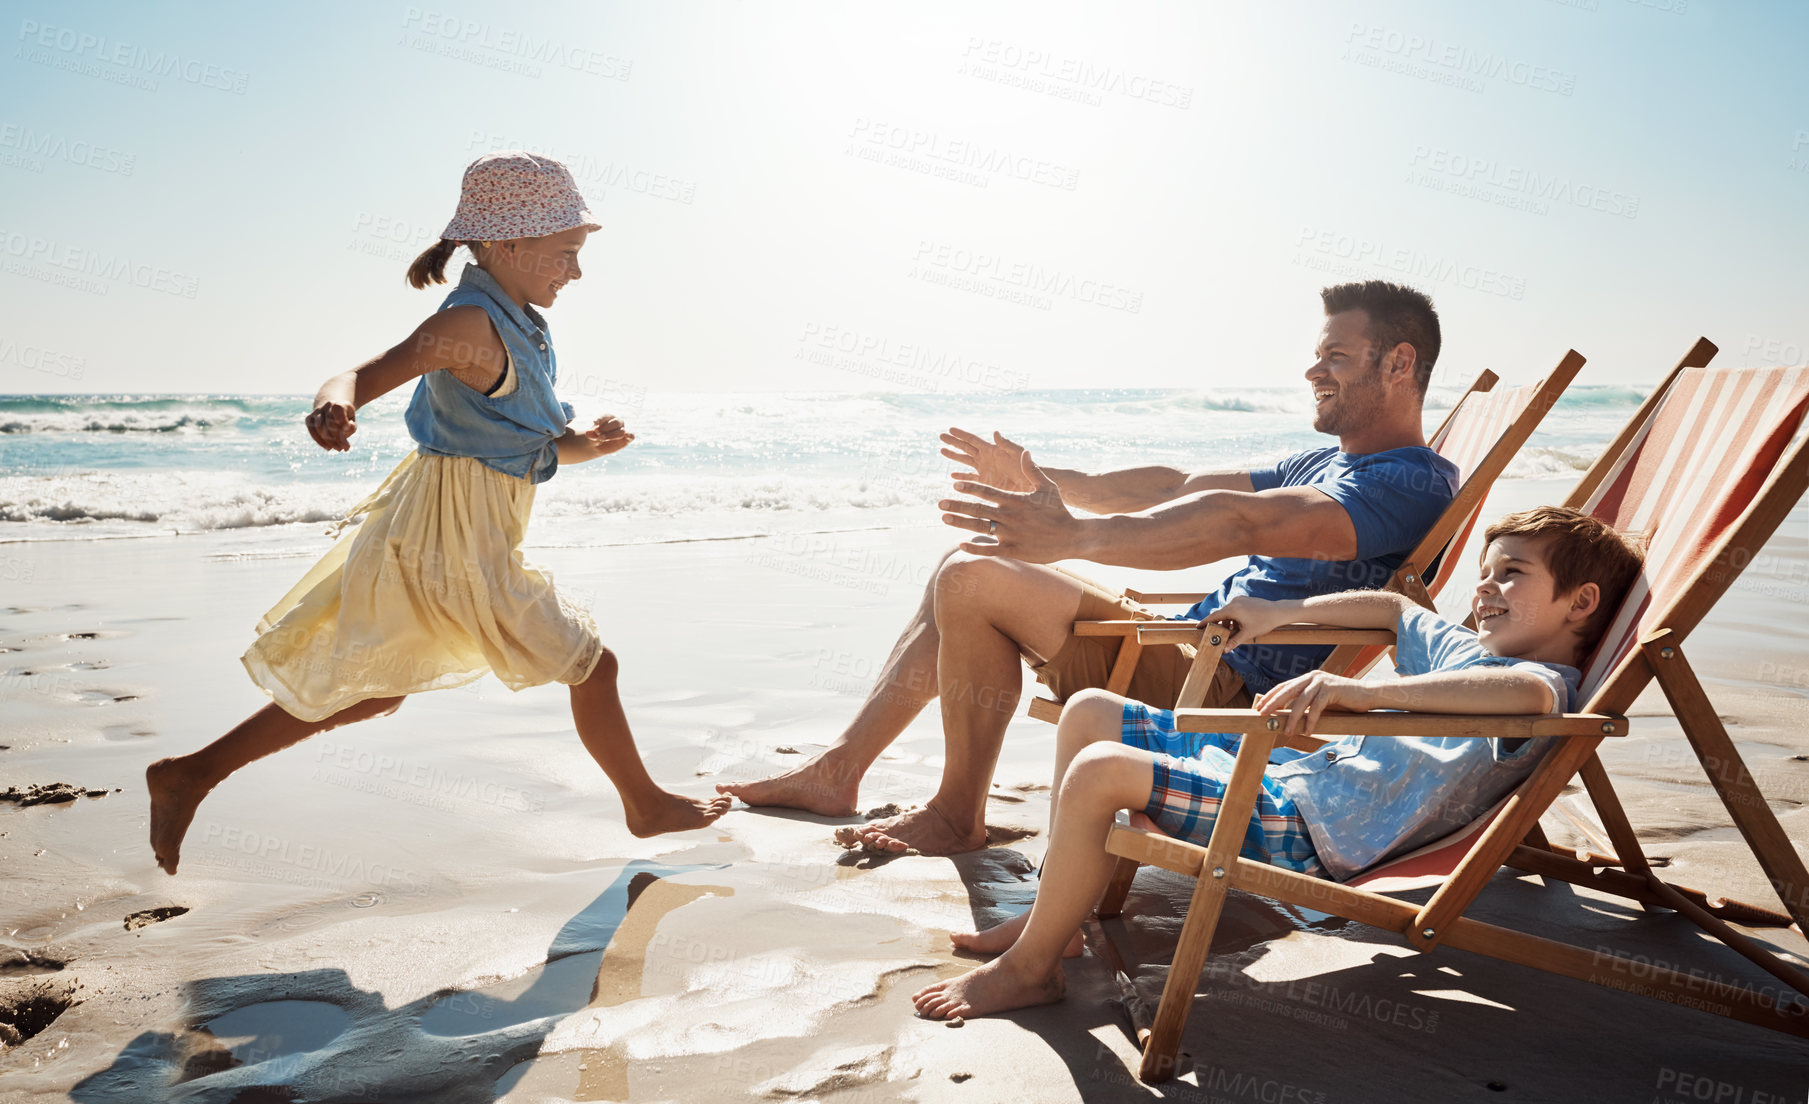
(443, 904)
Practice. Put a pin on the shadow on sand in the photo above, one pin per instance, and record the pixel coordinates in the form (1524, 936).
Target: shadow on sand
(315, 1036)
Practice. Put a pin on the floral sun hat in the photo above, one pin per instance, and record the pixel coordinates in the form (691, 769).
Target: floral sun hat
(516, 194)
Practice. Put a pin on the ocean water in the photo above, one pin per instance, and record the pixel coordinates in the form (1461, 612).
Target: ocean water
(704, 466)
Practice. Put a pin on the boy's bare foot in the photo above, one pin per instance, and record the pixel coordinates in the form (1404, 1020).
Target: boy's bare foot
(999, 938)
(175, 795)
(993, 987)
(673, 813)
(926, 831)
(818, 786)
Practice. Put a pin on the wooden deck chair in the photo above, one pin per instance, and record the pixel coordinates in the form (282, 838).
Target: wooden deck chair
(1706, 471)
(1481, 434)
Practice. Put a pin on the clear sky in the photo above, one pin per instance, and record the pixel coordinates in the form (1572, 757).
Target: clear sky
(853, 197)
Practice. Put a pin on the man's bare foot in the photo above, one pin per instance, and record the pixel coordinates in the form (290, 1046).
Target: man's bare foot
(675, 814)
(925, 831)
(998, 938)
(819, 786)
(175, 795)
(992, 987)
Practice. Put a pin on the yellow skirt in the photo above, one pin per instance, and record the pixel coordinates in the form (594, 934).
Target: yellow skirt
(428, 591)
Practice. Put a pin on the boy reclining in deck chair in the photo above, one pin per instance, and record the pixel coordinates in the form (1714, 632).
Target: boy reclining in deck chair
(1552, 579)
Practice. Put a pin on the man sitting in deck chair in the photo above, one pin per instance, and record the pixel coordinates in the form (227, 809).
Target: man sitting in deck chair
(1552, 579)
(1324, 520)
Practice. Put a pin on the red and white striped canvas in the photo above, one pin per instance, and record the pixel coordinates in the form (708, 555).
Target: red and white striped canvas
(1686, 477)
(1466, 439)
(1479, 421)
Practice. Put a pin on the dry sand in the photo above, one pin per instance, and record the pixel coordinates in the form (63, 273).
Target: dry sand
(443, 905)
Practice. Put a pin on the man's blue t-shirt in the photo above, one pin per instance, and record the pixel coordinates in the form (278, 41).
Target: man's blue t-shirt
(1392, 498)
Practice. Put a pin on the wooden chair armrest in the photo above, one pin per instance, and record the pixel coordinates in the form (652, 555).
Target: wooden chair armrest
(1384, 723)
(1153, 847)
(1120, 628)
(1188, 632)
(1166, 597)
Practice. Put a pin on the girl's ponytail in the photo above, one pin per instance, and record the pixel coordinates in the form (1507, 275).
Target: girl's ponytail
(430, 266)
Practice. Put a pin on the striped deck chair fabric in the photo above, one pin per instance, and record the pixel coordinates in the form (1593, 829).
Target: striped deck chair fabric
(1688, 475)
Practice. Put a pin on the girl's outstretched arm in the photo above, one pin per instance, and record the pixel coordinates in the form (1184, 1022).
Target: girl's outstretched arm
(461, 340)
(606, 436)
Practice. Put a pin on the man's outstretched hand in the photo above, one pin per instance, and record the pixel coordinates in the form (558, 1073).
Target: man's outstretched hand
(996, 463)
(1032, 524)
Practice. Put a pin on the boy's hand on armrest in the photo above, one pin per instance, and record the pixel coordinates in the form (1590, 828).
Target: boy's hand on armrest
(1303, 699)
(1255, 617)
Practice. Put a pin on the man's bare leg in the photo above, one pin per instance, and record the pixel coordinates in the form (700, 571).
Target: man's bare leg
(1089, 717)
(829, 784)
(178, 784)
(990, 613)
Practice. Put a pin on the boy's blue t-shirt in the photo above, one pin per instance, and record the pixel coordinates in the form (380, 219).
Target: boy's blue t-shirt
(1365, 798)
(1392, 498)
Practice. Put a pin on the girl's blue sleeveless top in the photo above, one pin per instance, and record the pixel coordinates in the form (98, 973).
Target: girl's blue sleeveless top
(513, 433)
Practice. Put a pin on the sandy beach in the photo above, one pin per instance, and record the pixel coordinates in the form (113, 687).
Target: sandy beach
(443, 905)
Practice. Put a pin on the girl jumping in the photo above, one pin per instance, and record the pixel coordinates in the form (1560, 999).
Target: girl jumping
(430, 589)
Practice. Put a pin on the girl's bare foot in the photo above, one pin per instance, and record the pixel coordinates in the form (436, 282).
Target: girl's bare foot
(993, 987)
(175, 795)
(999, 938)
(672, 813)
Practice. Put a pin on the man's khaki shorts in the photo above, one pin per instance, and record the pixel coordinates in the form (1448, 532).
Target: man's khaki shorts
(1086, 661)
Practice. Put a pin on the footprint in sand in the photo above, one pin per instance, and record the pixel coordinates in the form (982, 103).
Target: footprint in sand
(25, 963)
(103, 697)
(27, 1008)
(144, 918)
(49, 793)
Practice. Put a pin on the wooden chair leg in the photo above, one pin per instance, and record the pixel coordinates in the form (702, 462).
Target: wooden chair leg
(1111, 902)
(1728, 774)
(1614, 818)
(1203, 910)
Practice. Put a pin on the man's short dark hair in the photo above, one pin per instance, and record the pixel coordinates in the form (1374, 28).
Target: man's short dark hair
(1396, 314)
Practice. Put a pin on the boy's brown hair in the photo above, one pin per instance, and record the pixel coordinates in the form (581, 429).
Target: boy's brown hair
(1579, 550)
